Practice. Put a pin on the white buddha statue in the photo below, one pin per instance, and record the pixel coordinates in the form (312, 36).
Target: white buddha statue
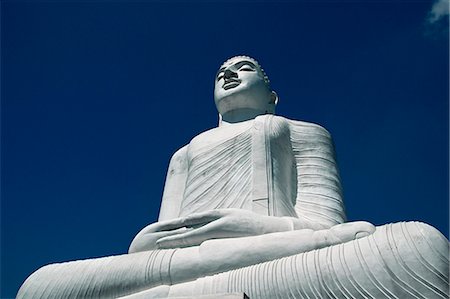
(254, 174)
(255, 206)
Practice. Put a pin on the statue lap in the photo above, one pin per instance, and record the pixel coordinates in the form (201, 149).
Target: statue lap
(397, 261)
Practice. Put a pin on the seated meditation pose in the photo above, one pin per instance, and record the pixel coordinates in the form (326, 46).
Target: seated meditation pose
(255, 206)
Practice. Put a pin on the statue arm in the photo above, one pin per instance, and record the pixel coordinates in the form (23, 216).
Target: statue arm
(170, 206)
(319, 199)
(174, 186)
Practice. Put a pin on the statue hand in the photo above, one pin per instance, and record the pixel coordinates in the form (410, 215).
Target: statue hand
(342, 233)
(219, 224)
(146, 239)
(352, 230)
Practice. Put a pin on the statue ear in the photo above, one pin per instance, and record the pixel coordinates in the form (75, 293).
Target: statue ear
(273, 98)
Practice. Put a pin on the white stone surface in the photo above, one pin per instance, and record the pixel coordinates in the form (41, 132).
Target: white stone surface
(258, 202)
(214, 296)
(403, 260)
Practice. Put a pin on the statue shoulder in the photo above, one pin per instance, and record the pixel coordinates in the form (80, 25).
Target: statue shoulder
(306, 128)
(296, 128)
(179, 157)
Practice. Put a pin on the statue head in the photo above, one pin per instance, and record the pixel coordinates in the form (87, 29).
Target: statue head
(242, 90)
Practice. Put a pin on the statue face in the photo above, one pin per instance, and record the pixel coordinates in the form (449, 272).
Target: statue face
(240, 84)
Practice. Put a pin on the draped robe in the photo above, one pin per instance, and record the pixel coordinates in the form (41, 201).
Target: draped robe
(270, 165)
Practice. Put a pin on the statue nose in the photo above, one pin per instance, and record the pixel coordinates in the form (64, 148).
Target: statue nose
(229, 74)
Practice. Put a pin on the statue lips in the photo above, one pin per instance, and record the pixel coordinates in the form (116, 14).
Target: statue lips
(231, 84)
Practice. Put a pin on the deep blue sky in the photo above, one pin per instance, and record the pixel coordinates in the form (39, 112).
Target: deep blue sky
(97, 96)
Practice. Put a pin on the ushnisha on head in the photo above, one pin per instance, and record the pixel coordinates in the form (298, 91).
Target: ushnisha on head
(242, 90)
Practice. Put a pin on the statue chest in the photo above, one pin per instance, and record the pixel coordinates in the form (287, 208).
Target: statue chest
(247, 165)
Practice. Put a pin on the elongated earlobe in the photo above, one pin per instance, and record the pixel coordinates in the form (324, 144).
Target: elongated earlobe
(273, 98)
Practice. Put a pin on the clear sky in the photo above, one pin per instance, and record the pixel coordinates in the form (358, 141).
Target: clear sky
(96, 97)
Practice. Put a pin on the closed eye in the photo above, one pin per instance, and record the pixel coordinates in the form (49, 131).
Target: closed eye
(246, 69)
(220, 76)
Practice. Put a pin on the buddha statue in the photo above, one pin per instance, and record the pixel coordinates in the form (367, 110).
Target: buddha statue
(255, 206)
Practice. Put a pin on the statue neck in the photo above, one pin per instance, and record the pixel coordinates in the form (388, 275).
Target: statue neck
(240, 115)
